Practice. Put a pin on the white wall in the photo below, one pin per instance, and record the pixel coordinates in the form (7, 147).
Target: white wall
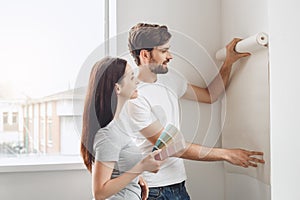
(195, 26)
(285, 98)
(47, 185)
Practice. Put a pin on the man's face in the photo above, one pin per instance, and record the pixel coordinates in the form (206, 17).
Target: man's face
(160, 56)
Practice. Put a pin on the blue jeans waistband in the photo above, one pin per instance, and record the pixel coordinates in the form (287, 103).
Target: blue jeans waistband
(177, 185)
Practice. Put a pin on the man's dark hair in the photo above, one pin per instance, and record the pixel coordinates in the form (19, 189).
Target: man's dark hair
(146, 36)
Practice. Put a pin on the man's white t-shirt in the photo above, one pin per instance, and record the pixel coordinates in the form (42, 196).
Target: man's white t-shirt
(158, 101)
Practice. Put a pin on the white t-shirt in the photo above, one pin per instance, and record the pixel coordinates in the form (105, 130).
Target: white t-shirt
(159, 100)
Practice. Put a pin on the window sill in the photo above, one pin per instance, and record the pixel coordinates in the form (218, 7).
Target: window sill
(41, 163)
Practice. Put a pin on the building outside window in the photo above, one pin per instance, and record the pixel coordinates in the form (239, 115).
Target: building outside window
(5, 118)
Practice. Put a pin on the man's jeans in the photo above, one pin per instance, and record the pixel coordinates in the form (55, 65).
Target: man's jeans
(171, 192)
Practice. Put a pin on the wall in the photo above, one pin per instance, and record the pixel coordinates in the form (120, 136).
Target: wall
(246, 106)
(47, 185)
(285, 98)
(195, 26)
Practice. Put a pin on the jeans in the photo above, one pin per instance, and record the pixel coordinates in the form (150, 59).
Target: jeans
(170, 192)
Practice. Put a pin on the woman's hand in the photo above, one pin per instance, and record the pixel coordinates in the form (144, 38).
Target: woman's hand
(149, 163)
(144, 187)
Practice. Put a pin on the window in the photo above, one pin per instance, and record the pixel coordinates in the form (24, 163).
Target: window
(15, 118)
(42, 137)
(49, 135)
(43, 46)
(42, 131)
(5, 118)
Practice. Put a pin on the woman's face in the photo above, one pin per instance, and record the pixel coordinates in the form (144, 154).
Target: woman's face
(128, 84)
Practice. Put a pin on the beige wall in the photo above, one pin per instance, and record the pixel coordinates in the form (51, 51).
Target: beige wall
(246, 108)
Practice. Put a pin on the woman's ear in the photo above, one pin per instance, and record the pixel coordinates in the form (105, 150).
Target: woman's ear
(117, 88)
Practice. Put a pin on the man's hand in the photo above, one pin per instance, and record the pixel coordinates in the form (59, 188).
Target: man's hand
(243, 158)
(144, 187)
(231, 55)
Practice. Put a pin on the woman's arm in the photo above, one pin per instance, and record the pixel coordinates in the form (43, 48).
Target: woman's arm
(104, 186)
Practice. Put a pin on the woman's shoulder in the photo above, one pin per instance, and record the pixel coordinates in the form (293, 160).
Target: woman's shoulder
(112, 133)
(107, 131)
(106, 138)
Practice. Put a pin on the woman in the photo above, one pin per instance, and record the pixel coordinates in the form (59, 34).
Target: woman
(108, 152)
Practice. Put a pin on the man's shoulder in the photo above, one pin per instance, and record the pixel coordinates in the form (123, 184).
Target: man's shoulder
(141, 101)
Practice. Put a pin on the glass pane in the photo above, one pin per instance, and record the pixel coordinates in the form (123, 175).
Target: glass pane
(43, 46)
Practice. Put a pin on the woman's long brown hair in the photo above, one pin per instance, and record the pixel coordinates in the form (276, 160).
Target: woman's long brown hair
(100, 103)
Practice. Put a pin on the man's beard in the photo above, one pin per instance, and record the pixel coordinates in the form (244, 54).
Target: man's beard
(158, 69)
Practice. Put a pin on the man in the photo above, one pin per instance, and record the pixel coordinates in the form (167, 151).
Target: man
(149, 46)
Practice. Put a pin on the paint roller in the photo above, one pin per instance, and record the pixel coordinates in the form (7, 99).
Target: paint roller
(251, 44)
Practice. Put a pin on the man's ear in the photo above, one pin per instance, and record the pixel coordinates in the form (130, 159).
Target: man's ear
(117, 88)
(145, 56)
